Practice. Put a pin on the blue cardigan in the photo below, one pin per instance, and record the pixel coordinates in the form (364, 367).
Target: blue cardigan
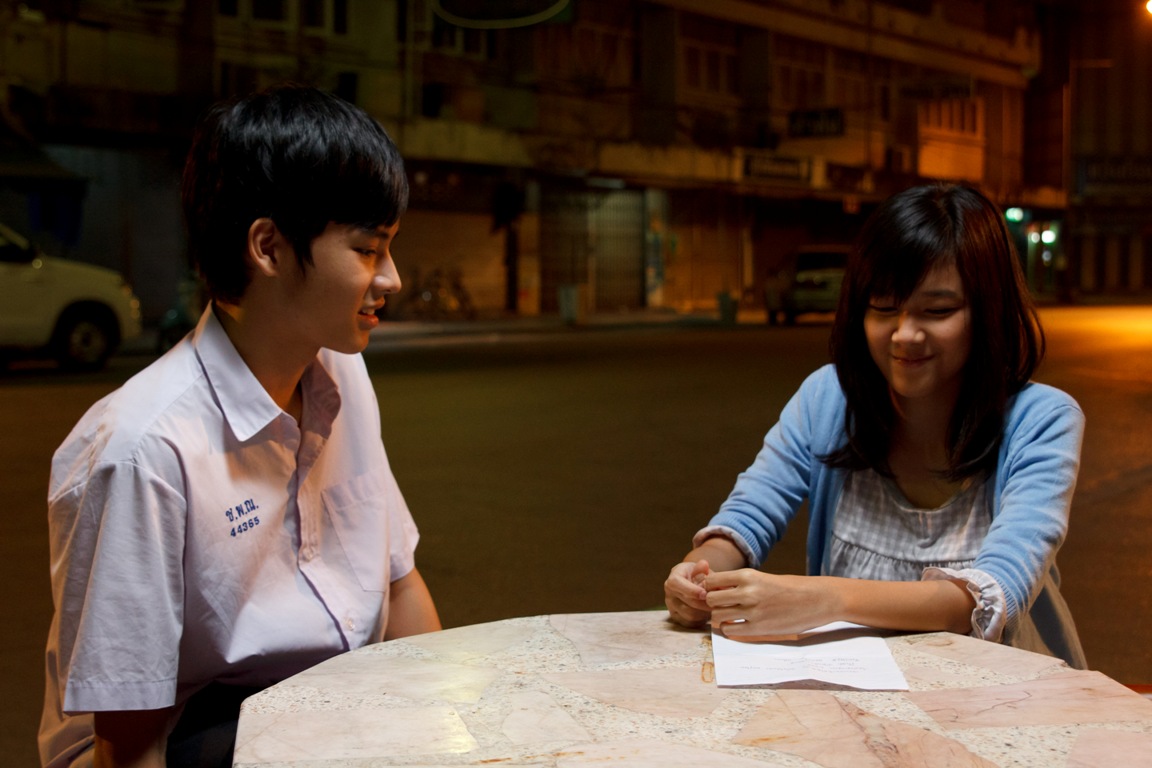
(1031, 495)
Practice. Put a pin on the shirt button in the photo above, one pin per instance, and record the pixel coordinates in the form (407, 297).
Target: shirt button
(349, 623)
(307, 553)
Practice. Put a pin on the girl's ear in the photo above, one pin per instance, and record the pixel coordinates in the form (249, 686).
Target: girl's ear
(266, 247)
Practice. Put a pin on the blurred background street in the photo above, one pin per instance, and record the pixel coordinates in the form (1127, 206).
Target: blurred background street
(555, 469)
(598, 189)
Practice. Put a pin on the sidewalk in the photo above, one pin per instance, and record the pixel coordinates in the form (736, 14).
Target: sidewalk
(420, 332)
(391, 331)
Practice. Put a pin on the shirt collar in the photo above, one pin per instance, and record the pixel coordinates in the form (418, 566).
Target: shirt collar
(247, 406)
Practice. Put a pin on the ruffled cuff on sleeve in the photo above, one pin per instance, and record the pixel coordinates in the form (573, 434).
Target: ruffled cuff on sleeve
(724, 531)
(990, 614)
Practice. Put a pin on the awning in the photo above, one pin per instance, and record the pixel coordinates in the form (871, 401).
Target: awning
(24, 166)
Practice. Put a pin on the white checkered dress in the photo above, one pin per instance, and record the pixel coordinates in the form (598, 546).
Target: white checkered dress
(878, 534)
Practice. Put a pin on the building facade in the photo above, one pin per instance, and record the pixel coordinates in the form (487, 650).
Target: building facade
(1109, 88)
(581, 157)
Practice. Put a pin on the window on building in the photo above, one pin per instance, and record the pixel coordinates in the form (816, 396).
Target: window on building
(444, 35)
(476, 42)
(590, 51)
(236, 79)
(800, 76)
(329, 16)
(884, 102)
(1146, 263)
(269, 10)
(709, 55)
(732, 75)
(312, 13)
(958, 116)
(347, 86)
(712, 70)
(692, 67)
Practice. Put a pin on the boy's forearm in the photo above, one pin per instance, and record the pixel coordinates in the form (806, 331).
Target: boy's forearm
(134, 739)
(411, 610)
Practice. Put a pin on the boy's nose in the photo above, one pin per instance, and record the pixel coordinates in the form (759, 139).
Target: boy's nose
(387, 279)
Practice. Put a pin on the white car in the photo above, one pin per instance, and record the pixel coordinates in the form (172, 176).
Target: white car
(77, 313)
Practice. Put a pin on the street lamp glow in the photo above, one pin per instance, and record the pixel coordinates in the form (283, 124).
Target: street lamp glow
(1148, 6)
(1048, 235)
(1017, 214)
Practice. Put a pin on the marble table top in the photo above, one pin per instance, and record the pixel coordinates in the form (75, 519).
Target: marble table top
(631, 689)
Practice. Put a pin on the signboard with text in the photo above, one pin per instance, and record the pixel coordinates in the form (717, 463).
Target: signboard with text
(1115, 175)
(767, 165)
(816, 123)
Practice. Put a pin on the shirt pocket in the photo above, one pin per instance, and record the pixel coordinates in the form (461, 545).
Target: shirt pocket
(358, 510)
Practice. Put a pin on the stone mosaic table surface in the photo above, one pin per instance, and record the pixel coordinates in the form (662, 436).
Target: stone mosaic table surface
(631, 689)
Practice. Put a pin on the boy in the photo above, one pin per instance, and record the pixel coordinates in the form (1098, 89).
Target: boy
(228, 517)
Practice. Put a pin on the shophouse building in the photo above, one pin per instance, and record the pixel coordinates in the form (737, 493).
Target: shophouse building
(588, 156)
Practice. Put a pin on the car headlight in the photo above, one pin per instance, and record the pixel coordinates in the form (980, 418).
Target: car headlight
(130, 297)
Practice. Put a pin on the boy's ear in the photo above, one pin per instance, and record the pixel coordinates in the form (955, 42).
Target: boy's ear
(266, 247)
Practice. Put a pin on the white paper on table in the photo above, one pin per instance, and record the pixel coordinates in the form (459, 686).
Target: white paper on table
(834, 653)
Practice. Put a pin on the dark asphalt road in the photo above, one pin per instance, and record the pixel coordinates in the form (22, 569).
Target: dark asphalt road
(566, 470)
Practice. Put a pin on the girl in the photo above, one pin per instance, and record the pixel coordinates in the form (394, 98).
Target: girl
(938, 477)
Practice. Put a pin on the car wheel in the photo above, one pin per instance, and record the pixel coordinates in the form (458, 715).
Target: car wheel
(84, 340)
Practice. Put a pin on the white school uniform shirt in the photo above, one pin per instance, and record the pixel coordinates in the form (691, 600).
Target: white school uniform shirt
(199, 534)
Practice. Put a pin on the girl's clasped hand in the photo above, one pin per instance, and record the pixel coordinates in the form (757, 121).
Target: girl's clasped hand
(747, 603)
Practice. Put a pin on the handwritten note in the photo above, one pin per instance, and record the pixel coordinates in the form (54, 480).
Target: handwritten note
(840, 654)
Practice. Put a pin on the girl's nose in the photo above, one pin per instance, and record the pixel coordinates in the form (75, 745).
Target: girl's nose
(907, 329)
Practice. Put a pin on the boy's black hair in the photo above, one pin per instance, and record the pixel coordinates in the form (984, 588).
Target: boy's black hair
(910, 234)
(296, 155)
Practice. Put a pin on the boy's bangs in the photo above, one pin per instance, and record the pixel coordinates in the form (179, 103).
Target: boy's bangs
(367, 200)
(364, 189)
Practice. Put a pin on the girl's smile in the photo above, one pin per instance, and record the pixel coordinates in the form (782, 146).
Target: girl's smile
(922, 345)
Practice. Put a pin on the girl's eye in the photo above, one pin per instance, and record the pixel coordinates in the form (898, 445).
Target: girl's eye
(367, 252)
(882, 309)
(943, 311)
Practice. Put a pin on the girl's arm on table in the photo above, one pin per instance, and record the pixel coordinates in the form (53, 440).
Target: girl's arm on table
(769, 604)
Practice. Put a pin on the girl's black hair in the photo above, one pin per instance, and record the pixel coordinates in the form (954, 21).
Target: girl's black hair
(905, 238)
(297, 155)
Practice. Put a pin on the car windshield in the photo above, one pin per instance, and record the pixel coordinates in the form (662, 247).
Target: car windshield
(820, 260)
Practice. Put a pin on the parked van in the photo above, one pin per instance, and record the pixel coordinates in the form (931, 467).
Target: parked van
(810, 283)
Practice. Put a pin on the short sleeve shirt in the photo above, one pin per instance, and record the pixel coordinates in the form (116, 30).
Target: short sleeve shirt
(199, 534)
